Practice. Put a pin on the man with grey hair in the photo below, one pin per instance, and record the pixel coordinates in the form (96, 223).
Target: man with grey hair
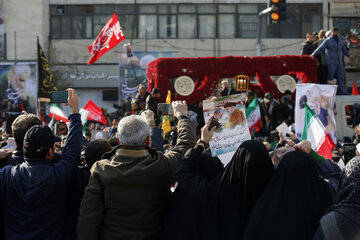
(128, 189)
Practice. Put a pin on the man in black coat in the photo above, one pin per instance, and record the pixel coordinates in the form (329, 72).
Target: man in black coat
(308, 47)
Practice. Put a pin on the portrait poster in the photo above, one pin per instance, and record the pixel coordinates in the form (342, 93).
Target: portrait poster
(19, 85)
(232, 127)
(133, 70)
(321, 99)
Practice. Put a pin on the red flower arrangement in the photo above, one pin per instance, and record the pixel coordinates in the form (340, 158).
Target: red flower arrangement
(209, 70)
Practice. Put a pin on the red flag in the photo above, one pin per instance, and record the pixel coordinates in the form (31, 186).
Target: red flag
(95, 113)
(41, 117)
(110, 36)
(22, 107)
(355, 91)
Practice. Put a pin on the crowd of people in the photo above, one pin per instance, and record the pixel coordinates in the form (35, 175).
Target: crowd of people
(329, 49)
(128, 180)
(134, 184)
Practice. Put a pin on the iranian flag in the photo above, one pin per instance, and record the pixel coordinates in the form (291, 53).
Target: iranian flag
(57, 113)
(253, 115)
(314, 131)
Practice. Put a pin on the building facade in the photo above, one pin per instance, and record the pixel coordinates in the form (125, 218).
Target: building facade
(187, 29)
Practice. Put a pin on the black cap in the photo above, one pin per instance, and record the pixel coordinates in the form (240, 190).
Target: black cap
(38, 140)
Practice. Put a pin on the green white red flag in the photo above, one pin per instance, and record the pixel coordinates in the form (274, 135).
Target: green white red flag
(253, 115)
(57, 113)
(315, 132)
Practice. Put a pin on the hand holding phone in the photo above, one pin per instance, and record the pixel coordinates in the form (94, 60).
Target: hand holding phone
(214, 123)
(165, 109)
(73, 100)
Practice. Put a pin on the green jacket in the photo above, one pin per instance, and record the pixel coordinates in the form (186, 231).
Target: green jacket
(127, 192)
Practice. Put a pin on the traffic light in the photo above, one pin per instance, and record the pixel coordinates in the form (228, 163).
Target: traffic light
(278, 10)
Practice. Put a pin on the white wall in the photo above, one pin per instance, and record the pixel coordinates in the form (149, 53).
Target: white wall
(29, 19)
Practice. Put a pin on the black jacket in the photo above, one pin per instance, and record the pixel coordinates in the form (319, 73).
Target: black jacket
(33, 194)
(14, 159)
(307, 48)
(151, 104)
(17, 157)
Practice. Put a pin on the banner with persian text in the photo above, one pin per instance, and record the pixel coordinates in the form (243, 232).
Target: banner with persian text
(228, 115)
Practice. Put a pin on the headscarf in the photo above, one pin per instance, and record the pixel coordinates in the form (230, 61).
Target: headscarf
(183, 219)
(235, 192)
(349, 193)
(293, 203)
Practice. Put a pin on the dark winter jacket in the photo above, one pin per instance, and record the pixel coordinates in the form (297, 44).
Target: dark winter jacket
(17, 157)
(151, 103)
(156, 140)
(307, 48)
(128, 190)
(33, 194)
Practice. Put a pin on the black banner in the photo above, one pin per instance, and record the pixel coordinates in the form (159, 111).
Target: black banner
(46, 84)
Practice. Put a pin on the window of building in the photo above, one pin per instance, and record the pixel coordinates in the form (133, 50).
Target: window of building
(167, 9)
(248, 8)
(187, 26)
(167, 26)
(187, 8)
(147, 26)
(147, 9)
(55, 28)
(349, 29)
(182, 20)
(226, 8)
(247, 26)
(65, 27)
(301, 19)
(77, 26)
(226, 24)
(206, 8)
(128, 25)
(207, 26)
(99, 22)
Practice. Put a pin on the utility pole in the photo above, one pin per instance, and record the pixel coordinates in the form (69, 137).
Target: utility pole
(258, 35)
(277, 10)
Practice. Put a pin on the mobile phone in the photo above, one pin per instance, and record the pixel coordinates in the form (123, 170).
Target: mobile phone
(10, 118)
(59, 97)
(348, 152)
(214, 123)
(165, 109)
(61, 129)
